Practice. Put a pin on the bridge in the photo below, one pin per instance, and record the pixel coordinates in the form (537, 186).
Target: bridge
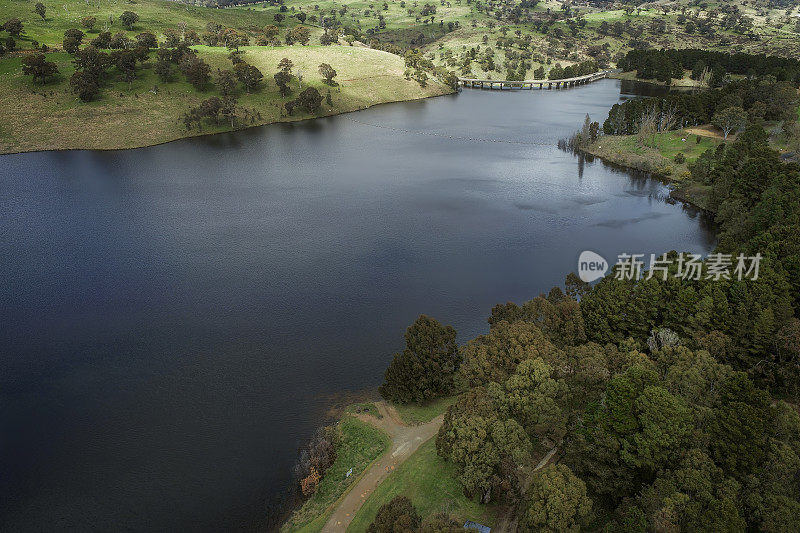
(530, 84)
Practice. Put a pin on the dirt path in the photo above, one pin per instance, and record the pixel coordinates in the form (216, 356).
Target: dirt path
(405, 441)
(707, 131)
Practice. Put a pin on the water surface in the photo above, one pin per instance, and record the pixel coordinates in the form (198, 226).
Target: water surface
(175, 317)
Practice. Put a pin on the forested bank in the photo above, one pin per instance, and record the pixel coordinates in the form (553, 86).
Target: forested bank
(670, 397)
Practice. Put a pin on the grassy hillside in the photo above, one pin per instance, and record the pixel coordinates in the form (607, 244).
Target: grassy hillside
(154, 16)
(51, 117)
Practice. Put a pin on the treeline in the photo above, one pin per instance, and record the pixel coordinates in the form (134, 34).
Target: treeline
(654, 432)
(663, 64)
(665, 396)
(571, 71)
(761, 98)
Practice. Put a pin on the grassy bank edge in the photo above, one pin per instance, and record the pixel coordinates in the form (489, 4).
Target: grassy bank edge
(316, 524)
(223, 130)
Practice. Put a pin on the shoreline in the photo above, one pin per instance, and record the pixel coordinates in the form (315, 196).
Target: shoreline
(192, 135)
(674, 83)
(678, 188)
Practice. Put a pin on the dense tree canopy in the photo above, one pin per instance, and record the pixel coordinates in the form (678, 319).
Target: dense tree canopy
(556, 501)
(397, 516)
(424, 369)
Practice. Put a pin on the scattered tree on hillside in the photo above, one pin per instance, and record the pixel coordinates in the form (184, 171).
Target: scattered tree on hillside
(197, 71)
(125, 62)
(298, 34)
(328, 73)
(40, 10)
(226, 82)
(84, 85)
(282, 79)
(120, 41)
(13, 27)
(72, 40)
(164, 69)
(88, 22)
(147, 40)
(37, 66)
(102, 41)
(128, 19)
(271, 32)
(249, 75)
(284, 75)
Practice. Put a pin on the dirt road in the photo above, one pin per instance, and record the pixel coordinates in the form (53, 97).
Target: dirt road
(405, 441)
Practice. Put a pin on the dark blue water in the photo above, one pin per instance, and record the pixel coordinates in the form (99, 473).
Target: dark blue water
(175, 318)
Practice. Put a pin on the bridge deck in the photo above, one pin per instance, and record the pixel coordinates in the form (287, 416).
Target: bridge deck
(566, 82)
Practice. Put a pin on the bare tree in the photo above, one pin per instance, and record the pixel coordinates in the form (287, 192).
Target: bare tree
(705, 78)
(648, 126)
(669, 117)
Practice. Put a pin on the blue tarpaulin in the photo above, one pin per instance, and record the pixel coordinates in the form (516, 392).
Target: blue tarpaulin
(469, 524)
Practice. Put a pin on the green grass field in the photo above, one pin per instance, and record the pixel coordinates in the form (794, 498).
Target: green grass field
(360, 445)
(396, 16)
(430, 483)
(414, 414)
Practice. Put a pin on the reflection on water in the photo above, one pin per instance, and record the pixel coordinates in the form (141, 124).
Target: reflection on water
(176, 317)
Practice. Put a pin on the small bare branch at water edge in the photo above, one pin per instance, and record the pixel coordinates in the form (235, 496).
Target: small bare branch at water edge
(582, 138)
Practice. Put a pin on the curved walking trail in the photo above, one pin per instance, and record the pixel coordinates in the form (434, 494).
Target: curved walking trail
(405, 441)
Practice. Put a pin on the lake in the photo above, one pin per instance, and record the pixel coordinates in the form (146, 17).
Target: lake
(177, 318)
